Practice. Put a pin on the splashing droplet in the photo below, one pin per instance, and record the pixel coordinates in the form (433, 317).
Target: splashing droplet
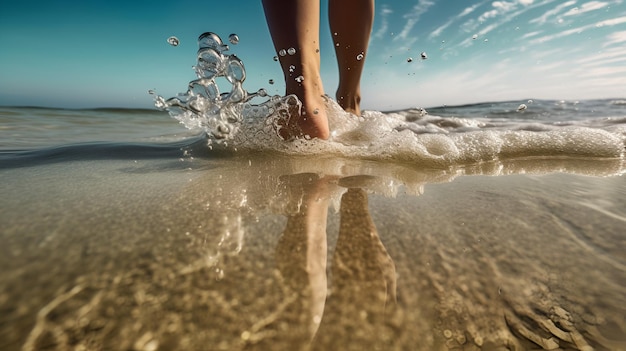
(486, 40)
(291, 51)
(173, 41)
(282, 52)
(475, 36)
(292, 68)
(275, 58)
(234, 39)
(410, 59)
(299, 79)
(212, 41)
(423, 56)
(521, 107)
(271, 81)
(359, 57)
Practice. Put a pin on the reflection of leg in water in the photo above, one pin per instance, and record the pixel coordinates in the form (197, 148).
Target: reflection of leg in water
(301, 256)
(363, 279)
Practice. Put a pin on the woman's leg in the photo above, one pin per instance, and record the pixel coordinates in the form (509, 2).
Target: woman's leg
(350, 25)
(294, 24)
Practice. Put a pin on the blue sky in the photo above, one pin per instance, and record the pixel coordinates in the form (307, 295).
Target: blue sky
(109, 53)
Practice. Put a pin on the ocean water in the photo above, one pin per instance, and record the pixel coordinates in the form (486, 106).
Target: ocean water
(481, 227)
(439, 137)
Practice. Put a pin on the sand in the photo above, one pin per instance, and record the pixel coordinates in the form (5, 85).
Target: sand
(261, 252)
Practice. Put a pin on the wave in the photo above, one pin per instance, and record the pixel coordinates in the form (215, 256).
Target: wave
(101, 151)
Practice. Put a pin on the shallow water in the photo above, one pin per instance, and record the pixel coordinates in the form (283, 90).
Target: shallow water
(120, 230)
(232, 253)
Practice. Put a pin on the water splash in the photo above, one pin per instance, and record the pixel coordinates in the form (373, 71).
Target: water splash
(220, 114)
(173, 41)
(233, 39)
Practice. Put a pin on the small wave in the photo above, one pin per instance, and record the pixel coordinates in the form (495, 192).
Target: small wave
(100, 151)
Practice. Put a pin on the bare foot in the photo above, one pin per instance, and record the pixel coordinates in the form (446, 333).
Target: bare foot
(307, 86)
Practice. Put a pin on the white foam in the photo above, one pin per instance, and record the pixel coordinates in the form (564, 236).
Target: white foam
(434, 141)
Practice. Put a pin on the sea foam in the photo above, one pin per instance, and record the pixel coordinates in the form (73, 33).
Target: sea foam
(232, 123)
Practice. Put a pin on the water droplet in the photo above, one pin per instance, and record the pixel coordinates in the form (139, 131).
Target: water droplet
(360, 56)
(522, 107)
(271, 81)
(316, 111)
(233, 38)
(275, 58)
(530, 101)
(211, 40)
(410, 59)
(282, 52)
(173, 41)
(337, 44)
(475, 36)
(262, 92)
(423, 56)
(292, 68)
(299, 79)
(486, 40)
(291, 51)
(317, 50)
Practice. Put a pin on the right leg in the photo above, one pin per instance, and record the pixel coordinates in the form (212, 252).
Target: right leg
(350, 25)
(295, 24)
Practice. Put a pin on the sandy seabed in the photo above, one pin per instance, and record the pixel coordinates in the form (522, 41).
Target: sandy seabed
(281, 253)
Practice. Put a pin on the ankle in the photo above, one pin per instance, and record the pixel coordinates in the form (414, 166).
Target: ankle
(350, 102)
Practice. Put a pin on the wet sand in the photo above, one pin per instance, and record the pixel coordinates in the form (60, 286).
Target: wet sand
(273, 253)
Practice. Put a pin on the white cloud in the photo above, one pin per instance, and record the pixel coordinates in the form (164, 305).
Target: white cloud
(611, 22)
(586, 7)
(412, 17)
(468, 10)
(608, 23)
(616, 38)
(437, 32)
(385, 12)
(555, 11)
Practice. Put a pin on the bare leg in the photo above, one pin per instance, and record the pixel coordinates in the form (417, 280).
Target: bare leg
(295, 24)
(350, 25)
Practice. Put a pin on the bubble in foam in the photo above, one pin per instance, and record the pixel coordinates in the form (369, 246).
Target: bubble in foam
(173, 41)
(233, 39)
(291, 51)
(220, 114)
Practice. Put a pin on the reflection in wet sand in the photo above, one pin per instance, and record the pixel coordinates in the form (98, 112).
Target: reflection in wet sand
(288, 254)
